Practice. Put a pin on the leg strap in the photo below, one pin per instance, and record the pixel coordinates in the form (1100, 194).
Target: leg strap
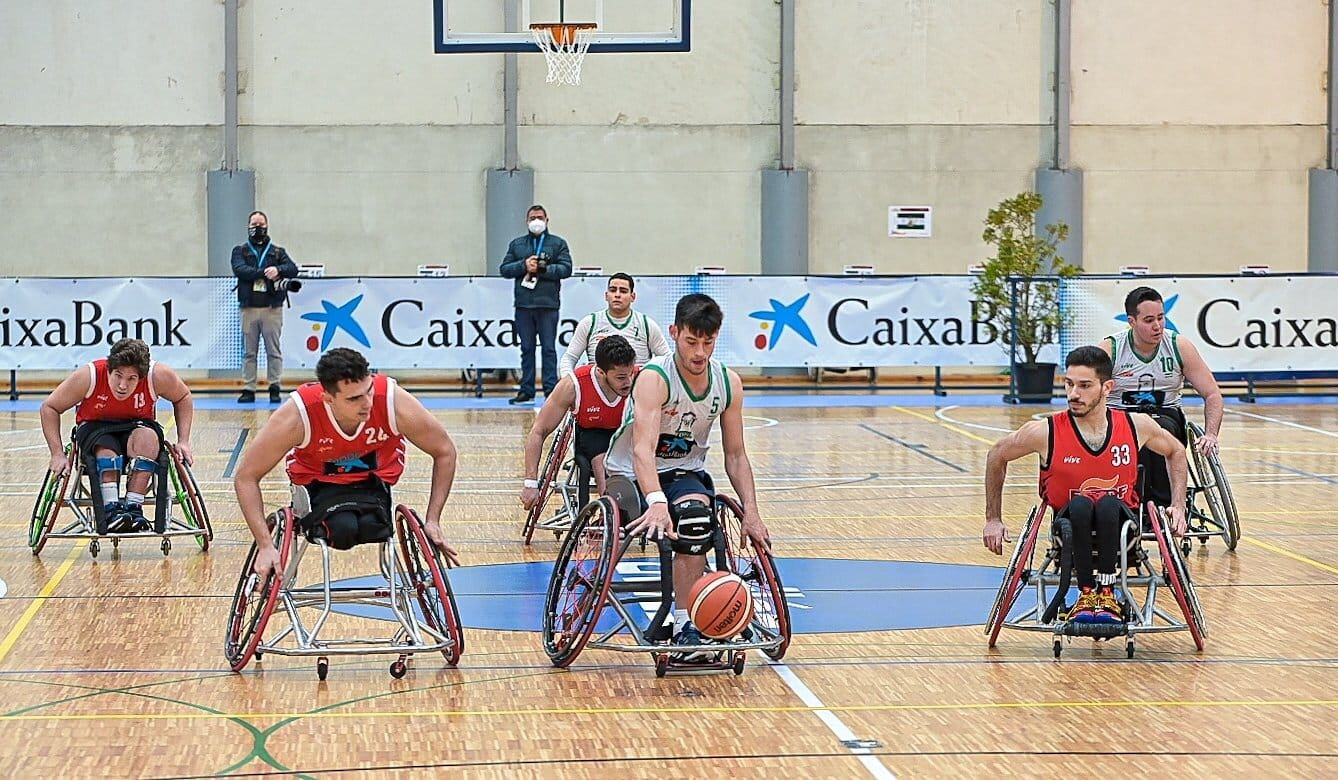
(141, 463)
(112, 463)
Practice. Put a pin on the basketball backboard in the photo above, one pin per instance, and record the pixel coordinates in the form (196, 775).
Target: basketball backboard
(474, 26)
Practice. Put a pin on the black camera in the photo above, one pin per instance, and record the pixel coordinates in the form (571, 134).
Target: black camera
(287, 285)
(541, 260)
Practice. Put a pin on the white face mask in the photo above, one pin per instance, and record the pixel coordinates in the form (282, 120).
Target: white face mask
(537, 226)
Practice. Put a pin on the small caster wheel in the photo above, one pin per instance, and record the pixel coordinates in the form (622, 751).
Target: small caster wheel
(661, 664)
(398, 669)
(740, 658)
(259, 656)
(1187, 546)
(1059, 648)
(1129, 650)
(94, 548)
(322, 668)
(116, 544)
(166, 546)
(1203, 542)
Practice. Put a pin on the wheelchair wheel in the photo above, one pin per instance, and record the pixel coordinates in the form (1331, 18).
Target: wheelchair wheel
(253, 602)
(426, 570)
(186, 493)
(579, 586)
(550, 473)
(1177, 577)
(1016, 575)
(50, 498)
(1212, 482)
(757, 568)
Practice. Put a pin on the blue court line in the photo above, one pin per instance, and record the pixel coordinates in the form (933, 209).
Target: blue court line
(236, 451)
(1300, 473)
(919, 449)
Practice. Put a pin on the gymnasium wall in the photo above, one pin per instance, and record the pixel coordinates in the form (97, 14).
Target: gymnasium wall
(1195, 123)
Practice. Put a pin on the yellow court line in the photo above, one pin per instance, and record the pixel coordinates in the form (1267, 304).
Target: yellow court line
(1020, 705)
(1292, 555)
(12, 637)
(947, 425)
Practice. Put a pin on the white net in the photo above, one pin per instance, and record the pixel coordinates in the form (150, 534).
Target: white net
(564, 49)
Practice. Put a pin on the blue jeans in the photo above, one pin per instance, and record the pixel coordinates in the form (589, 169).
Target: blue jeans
(541, 322)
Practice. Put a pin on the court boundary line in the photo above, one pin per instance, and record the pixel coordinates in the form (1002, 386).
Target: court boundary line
(42, 597)
(833, 723)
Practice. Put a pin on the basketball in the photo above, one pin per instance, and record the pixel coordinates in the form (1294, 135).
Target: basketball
(720, 605)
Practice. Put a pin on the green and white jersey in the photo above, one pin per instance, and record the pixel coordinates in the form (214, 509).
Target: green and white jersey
(642, 332)
(685, 421)
(1163, 370)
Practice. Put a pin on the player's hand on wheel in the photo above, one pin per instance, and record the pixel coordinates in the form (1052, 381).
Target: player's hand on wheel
(995, 535)
(1207, 445)
(655, 522)
(753, 528)
(59, 463)
(183, 449)
(434, 533)
(267, 561)
(1176, 514)
(528, 496)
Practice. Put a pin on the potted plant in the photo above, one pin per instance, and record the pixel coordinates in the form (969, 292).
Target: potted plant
(1018, 289)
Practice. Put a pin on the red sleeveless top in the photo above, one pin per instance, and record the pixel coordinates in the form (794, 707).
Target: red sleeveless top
(100, 404)
(329, 455)
(593, 410)
(1074, 469)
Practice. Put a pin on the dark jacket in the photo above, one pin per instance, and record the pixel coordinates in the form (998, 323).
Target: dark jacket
(247, 268)
(545, 294)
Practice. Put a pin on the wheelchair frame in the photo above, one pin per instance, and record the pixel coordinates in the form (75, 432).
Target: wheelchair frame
(1140, 618)
(74, 489)
(418, 576)
(1208, 478)
(582, 586)
(549, 480)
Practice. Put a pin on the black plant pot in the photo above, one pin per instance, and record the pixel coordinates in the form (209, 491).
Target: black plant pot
(1034, 382)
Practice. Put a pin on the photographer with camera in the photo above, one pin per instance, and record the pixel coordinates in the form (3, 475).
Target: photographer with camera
(538, 261)
(265, 275)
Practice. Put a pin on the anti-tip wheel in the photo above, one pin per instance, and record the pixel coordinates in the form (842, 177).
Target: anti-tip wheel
(398, 669)
(322, 668)
(1129, 650)
(165, 546)
(1059, 648)
(661, 664)
(94, 548)
(740, 658)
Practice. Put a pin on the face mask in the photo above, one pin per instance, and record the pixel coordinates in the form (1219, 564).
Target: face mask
(259, 234)
(537, 226)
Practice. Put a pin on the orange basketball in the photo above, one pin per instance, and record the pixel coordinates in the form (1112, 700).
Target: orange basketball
(720, 605)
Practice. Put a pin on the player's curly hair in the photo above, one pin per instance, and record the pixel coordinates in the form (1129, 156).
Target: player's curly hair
(129, 353)
(612, 352)
(341, 364)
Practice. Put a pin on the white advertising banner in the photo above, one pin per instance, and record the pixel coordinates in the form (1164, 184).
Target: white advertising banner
(1239, 324)
(48, 324)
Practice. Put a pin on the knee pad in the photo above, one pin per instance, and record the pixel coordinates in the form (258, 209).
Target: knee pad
(692, 522)
(141, 463)
(105, 463)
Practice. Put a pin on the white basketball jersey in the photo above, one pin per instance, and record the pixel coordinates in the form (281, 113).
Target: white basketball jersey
(685, 421)
(1162, 370)
(636, 329)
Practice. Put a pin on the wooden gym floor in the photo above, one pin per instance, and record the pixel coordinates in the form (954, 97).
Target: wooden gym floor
(114, 667)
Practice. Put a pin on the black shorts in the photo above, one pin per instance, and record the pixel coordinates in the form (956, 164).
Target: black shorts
(674, 484)
(109, 434)
(591, 442)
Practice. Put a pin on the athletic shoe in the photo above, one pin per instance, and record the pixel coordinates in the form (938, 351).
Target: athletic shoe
(138, 522)
(247, 397)
(1085, 610)
(118, 517)
(522, 398)
(689, 636)
(1108, 609)
(275, 394)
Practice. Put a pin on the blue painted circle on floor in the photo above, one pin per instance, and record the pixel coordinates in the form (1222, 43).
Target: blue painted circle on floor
(826, 595)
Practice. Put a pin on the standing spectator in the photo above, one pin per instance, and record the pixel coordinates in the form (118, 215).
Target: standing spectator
(538, 261)
(261, 269)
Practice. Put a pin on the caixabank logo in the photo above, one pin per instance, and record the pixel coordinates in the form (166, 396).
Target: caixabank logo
(782, 317)
(1228, 322)
(87, 323)
(855, 321)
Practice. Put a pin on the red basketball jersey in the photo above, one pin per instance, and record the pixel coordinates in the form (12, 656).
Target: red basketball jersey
(594, 411)
(1075, 469)
(100, 404)
(327, 454)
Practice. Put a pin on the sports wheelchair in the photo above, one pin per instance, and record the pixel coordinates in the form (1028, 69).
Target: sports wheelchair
(412, 586)
(1141, 616)
(573, 489)
(173, 487)
(585, 583)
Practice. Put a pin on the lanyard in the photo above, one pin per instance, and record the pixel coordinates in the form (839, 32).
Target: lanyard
(539, 245)
(260, 263)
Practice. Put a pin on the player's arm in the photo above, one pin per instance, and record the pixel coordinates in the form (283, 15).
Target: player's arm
(655, 341)
(1031, 438)
(169, 385)
(575, 354)
(281, 432)
(737, 465)
(556, 405)
(62, 399)
(427, 433)
(1160, 441)
(649, 393)
(1201, 377)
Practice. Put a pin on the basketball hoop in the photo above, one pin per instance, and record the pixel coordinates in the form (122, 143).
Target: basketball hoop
(564, 45)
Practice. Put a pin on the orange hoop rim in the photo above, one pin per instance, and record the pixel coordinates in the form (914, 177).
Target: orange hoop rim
(564, 33)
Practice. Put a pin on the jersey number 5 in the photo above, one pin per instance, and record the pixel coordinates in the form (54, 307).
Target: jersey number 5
(1119, 455)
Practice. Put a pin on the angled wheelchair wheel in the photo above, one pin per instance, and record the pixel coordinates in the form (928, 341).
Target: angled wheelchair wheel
(1177, 577)
(1016, 575)
(426, 569)
(186, 494)
(756, 567)
(579, 586)
(253, 602)
(1211, 481)
(550, 474)
(50, 498)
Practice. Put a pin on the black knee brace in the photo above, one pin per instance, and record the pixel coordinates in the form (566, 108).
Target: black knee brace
(692, 522)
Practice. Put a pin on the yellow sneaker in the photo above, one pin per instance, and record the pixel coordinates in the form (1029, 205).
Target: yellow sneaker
(1085, 610)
